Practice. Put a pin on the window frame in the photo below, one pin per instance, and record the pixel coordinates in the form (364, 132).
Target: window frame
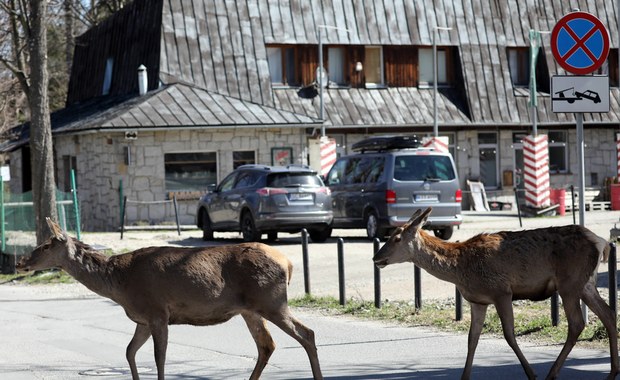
(342, 68)
(211, 160)
(381, 83)
(558, 145)
(285, 66)
(443, 63)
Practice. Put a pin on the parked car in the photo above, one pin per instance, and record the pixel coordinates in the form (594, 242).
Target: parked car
(259, 199)
(387, 180)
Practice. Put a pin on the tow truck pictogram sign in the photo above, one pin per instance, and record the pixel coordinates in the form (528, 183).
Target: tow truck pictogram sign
(570, 93)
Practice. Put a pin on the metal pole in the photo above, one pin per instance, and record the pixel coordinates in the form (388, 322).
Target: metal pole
(555, 310)
(518, 208)
(377, 276)
(435, 123)
(341, 284)
(459, 305)
(2, 231)
(321, 104)
(123, 216)
(582, 186)
(176, 214)
(613, 282)
(417, 280)
(304, 252)
(78, 229)
(572, 200)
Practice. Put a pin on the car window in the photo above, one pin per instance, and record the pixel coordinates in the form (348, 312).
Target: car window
(246, 179)
(352, 173)
(420, 168)
(292, 179)
(375, 169)
(336, 173)
(228, 182)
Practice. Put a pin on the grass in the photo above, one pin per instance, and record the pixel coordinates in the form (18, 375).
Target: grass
(532, 319)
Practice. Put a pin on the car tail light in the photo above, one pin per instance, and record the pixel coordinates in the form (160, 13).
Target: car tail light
(324, 190)
(390, 196)
(458, 196)
(267, 191)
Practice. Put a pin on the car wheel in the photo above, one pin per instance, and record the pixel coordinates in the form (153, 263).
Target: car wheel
(444, 233)
(207, 230)
(372, 226)
(319, 236)
(272, 236)
(248, 228)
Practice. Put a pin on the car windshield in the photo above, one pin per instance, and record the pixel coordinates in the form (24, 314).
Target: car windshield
(423, 168)
(292, 179)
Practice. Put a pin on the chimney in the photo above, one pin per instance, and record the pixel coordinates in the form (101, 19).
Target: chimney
(143, 82)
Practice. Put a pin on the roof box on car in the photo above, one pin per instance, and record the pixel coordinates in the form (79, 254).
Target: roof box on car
(381, 143)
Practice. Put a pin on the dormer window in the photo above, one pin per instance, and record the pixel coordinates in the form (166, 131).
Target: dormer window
(519, 64)
(373, 66)
(336, 66)
(282, 66)
(107, 76)
(425, 67)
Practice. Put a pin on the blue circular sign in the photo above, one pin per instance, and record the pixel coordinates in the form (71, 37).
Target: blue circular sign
(580, 43)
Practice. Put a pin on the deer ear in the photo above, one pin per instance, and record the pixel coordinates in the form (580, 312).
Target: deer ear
(55, 229)
(420, 217)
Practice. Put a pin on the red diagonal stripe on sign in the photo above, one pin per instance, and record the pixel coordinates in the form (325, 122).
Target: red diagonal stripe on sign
(580, 43)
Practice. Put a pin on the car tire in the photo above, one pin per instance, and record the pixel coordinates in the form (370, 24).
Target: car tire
(319, 236)
(372, 226)
(248, 228)
(444, 233)
(207, 230)
(272, 236)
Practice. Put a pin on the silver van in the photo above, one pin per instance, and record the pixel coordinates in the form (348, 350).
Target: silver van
(387, 180)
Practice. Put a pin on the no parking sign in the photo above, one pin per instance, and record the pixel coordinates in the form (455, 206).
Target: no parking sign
(580, 43)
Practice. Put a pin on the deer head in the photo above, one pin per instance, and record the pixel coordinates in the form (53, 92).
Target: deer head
(401, 245)
(49, 254)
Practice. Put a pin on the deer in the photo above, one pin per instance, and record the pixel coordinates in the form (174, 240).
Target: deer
(162, 286)
(497, 268)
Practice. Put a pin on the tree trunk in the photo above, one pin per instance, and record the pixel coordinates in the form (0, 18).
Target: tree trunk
(42, 158)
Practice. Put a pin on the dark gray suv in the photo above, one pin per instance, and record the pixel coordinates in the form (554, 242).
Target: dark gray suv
(259, 199)
(391, 177)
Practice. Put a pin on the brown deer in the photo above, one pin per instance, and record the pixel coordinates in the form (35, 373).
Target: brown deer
(161, 286)
(505, 266)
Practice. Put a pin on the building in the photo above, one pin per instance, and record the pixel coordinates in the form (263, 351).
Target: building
(231, 82)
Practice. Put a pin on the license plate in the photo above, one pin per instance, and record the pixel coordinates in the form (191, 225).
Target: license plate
(300, 196)
(426, 198)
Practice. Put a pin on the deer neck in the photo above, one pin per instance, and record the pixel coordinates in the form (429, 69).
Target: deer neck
(90, 268)
(435, 256)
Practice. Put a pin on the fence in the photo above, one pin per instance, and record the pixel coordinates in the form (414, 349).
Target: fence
(612, 283)
(126, 201)
(17, 219)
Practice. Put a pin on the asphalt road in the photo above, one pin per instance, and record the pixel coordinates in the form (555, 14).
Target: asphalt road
(66, 332)
(62, 333)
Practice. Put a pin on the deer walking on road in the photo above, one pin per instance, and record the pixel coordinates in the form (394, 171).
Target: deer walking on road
(160, 286)
(505, 266)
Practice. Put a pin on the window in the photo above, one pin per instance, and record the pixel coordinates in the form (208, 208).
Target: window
(243, 157)
(425, 66)
(558, 155)
(487, 145)
(107, 76)
(335, 65)
(610, 67)
(373, 66)
(420, 168)
(190, 171)
(282, 66)
(519, 65)
(69, 163)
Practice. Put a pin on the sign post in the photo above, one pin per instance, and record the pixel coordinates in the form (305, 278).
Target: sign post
(580, 44)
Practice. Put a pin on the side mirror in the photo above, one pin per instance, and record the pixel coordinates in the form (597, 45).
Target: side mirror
(211, 188)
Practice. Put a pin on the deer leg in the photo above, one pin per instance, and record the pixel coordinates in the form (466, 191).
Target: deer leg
(305, 336)
(593, 299)
(264, 342)
(506, 316)
(159, 330)
(478, 313)
(140, 336)
(575, 327)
